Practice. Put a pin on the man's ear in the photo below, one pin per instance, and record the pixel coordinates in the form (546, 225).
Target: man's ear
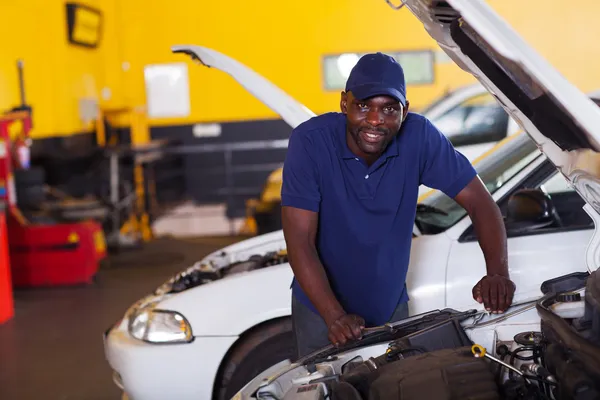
(405, 111)
(344, 103)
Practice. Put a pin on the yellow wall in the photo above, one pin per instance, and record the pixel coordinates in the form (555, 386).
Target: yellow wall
(284, 41)
(566, 35)
(281, 40)
(57, 74)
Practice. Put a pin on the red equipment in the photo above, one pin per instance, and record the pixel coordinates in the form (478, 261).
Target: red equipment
(43, 254)
(7, 309)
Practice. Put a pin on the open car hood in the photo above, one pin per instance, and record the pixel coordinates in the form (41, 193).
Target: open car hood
(289, 109)
(562, 120)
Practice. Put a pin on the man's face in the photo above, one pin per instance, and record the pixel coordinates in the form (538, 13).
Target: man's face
(372, 123)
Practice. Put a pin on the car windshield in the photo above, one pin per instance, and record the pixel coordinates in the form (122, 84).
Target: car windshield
(437, 212)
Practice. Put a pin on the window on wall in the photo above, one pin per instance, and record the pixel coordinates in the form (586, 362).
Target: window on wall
(417, 65)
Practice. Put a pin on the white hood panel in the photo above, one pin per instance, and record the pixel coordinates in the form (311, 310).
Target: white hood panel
(290, 110)
(561, 119)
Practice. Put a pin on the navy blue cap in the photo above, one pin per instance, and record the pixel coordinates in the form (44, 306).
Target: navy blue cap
(375, 75)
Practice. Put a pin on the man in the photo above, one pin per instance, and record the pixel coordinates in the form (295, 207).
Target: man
(350, 187)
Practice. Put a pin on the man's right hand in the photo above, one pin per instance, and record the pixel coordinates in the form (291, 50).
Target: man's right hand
(300, 231)
(345, 328)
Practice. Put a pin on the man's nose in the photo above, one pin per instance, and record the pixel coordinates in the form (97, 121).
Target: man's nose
(374, 117)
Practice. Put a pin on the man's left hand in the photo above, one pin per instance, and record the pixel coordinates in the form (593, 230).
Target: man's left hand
(495, 292)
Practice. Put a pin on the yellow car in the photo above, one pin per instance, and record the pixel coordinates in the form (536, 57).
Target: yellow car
(263, 215)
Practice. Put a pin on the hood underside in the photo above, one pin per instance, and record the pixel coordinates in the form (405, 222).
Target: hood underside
(561, 119)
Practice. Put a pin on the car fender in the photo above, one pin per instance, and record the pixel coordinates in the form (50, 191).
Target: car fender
(234, 304)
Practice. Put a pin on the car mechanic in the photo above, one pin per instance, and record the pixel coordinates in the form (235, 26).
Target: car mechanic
(349, 195)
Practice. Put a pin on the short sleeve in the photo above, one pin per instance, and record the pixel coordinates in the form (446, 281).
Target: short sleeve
(442, 166)
(300, 177)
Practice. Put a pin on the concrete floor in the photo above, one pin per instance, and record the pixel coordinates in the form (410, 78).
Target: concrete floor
(52, 348)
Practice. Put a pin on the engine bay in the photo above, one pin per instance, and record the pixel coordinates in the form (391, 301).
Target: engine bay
(439, 355)
(205, 273)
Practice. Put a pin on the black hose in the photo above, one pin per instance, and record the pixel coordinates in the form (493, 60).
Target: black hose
(515, 354)
(542, 380)
(499, 370)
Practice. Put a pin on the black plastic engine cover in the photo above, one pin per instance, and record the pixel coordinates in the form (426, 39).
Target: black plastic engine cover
(565, 283)
(444, 374)
(446, 335)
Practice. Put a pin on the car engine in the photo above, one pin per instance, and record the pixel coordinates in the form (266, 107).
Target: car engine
(432, 356)
(204, 273)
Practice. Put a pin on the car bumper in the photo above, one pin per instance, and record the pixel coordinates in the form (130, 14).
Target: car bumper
(146, 371)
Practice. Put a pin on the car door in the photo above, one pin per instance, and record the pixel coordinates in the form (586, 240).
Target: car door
(536, 252)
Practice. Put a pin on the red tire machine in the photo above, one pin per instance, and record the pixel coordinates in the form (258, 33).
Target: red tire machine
(44, 254)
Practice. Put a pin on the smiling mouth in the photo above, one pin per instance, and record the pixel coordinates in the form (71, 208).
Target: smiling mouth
(372, 137)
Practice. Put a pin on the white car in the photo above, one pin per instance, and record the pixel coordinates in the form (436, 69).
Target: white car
(547, 345)
(471, 118)
(213, 327)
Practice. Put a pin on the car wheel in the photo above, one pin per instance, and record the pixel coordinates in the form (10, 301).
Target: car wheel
(257, 350)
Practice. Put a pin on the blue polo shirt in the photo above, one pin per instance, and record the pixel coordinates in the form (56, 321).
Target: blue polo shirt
(366, 214)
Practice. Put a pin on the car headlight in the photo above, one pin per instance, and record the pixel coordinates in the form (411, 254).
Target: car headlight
(159, 326)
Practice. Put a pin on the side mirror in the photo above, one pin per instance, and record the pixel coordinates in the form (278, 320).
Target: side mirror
(529, 209)
(490, 136)
(483, 125)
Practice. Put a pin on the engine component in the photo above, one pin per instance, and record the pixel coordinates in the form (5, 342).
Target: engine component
(480, 352)
(569, 309)
(568, 297)
(582, 336)
(572, 353)
(433, 331)
(314, 391)
(502, 350)
(538, 370)
(592, 305)
(345, 391)
(193, 279)
(383, 328)
(528, 338)
(566, 283)
(516, 388)
(445, 335)
(574, 382)
(442, 374)
(203, 275)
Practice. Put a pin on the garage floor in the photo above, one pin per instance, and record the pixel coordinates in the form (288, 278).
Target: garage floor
(52, 349)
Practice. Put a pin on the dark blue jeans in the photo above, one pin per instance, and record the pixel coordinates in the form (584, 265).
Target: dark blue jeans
(311, 332)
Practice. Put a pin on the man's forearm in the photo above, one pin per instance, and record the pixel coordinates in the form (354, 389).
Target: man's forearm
(491, 234)
(495, 290)
(312, 278)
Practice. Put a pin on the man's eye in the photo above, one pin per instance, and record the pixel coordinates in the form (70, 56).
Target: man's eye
(362, 105)
(389, 110)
